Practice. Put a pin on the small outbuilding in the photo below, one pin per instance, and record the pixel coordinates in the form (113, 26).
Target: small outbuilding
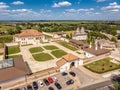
(68, 61)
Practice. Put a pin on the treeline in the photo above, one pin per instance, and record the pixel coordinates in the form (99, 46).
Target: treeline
(108, 27)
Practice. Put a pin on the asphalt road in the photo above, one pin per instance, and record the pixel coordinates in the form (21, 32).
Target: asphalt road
(83, 77)
(106, 85)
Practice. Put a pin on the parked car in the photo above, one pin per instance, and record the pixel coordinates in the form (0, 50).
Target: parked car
(17, 89)
(72, 73)
(40, 83)
(23, 88)
(64, 73)
(50, 88)
(55, 78)
(50, 80)
(46, 82)
(69, 82)
(35, 85)
(58, 85)
(29, 87)
(117, 79)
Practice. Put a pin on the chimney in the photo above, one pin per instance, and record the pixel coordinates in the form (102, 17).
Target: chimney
(96, 48)
(96, 45)
(101, 46)
(90, 45)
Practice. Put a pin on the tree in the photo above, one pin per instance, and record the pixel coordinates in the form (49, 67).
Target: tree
(113, 39)
(18, 29)
(118, 36)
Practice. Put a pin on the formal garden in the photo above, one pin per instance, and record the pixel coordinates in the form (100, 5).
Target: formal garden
(58, 53)
(102, 66)
(45, 53)
(42, 57)
(50, 47)
(67, 45)
(13, 51)
(36, 49)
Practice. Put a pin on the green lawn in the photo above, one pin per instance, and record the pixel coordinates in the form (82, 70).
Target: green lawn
(13, 49)
(6, 38)
(14, 56)
(1, 53)
(67, 45)
(42, 57)
(101, 66)
(48, 37)
(50, 47)
(35, 49)
(58, 53)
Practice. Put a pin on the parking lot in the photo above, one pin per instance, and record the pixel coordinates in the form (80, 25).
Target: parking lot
(61, 79)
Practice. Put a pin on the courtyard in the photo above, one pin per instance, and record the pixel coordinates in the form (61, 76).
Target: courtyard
(46, 52)
(43, 56)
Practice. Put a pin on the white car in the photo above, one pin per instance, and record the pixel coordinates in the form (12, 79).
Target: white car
(40, 83)
(55, 78)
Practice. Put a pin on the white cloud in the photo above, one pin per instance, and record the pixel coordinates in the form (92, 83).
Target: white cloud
(112, 4)
(80, 10)
(97, 13)
(44, 11)
(21, 10)
(115, 10)
(62, 4)
(17, 3)
(113, 7)
(3, 5)
(100, 0)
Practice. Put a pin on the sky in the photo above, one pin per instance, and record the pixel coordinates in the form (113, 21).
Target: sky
(59, 9)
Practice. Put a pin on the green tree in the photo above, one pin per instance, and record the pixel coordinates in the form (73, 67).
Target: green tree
(113, 39)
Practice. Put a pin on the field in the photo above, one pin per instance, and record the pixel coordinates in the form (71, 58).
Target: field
(102, 66)
(3, 27)
(58, 53)
(35, 49)
(13, 49)
(42, 57)
(50, 47)
(6, 38)
(67, 45)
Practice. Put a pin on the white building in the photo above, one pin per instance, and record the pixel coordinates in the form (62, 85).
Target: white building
(29, 36)
(68, 61)
(95, 51)
(59, 34)
(106, 44)
(80, 34)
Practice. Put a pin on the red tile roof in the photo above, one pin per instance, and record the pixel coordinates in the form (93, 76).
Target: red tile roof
(28, 32)
(67, 58)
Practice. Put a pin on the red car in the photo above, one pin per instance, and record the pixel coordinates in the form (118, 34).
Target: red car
(50, 80)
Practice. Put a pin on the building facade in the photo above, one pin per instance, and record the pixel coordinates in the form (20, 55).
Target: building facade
(95, 50)
(80, 34)
(29, 36)
(59, 34)
(68, 61)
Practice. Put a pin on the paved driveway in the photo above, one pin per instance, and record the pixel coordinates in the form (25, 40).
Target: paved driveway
(83, 77)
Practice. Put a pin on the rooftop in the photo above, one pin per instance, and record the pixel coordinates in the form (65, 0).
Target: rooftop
(80, 32)
(16, 68)
(29, 32)
(97, 52)
(67, 58)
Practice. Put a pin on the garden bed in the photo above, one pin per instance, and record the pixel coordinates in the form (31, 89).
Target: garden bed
(102, 66)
